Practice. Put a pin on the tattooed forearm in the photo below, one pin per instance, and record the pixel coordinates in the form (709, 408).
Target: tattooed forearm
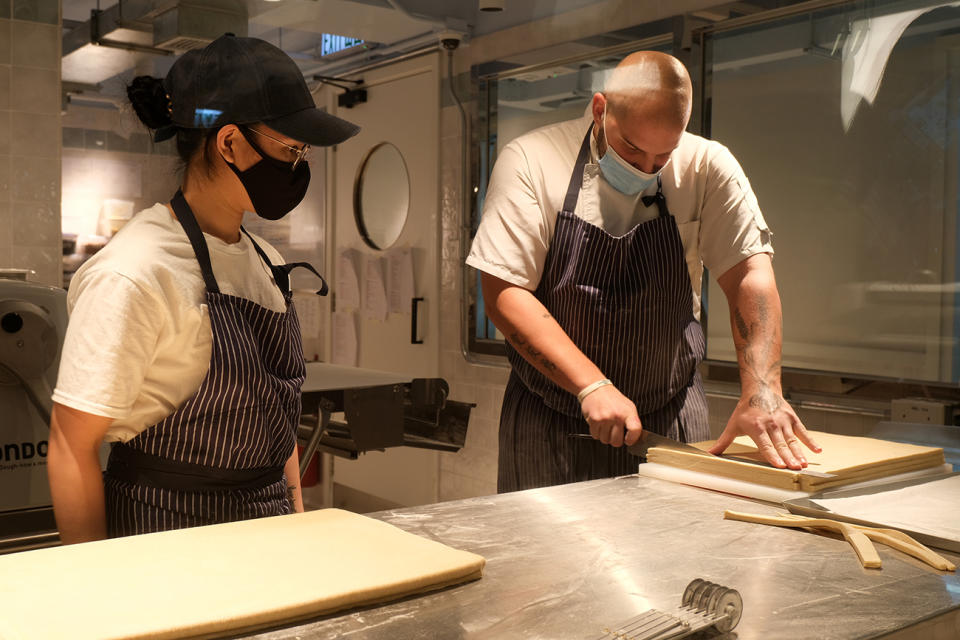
(742, 327)
(758, 351)
(766, 400)
(292, 497)
(535, 356)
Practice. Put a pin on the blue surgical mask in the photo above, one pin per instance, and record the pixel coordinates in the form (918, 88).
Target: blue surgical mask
(620, 174)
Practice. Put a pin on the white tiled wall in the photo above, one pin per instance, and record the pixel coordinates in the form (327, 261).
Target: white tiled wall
(473, 470)
(107, 154)
(30, 138)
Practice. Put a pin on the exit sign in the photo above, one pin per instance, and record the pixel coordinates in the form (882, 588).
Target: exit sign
(332, 43)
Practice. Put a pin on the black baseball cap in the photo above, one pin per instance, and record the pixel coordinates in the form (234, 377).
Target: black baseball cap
(237, 80)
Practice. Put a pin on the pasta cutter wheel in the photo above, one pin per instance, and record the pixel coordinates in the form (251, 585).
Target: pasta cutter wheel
(703, 605)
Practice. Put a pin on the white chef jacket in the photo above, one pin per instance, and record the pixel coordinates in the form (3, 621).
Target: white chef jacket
(715, 209)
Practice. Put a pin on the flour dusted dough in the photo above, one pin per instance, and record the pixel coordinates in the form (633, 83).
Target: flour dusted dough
(850, 458)
(220, 579)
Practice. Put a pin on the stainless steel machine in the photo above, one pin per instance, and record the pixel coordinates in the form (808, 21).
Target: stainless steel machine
(380, 410)
(33, 320)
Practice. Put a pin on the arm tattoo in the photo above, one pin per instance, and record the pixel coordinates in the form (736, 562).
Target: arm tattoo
(291, 497)
(536, 356)
(756, 357)
(742, 327)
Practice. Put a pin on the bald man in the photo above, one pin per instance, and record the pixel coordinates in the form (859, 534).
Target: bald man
(592, 244)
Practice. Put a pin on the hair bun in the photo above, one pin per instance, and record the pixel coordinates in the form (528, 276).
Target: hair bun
(149, 100)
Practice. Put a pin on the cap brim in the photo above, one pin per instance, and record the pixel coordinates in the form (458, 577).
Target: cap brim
(314, 127)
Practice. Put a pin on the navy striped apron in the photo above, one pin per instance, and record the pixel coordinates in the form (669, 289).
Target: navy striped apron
(627, 303)
(220, 456)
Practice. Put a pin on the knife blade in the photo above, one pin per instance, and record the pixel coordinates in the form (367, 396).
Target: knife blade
(649, 439)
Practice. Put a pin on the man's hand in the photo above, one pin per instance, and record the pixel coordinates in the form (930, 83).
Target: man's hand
(612, 417)
(772, 424)
(756, 322)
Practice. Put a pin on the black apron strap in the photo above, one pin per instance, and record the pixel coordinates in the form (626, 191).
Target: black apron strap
(659, 199)
(281, 272)
(136, 467)
(189, 223)
(576, 178)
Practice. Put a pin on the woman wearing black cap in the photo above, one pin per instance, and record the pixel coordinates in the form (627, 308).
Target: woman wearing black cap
(183, 349)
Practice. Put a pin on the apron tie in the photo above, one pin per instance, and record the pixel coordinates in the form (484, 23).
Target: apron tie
(659, 199)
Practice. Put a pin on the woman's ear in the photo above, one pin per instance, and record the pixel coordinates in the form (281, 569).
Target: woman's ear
(226, 138)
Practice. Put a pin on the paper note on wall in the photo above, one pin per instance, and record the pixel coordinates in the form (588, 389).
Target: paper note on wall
(401, 280)
(344, 338)
(374, 289)
(307, 304)
(347, 291)
(310, 311)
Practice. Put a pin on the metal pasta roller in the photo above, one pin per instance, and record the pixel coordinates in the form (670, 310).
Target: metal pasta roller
(704, 605)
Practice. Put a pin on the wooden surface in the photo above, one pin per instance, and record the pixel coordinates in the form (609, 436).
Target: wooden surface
(850, 458)
(221, 579)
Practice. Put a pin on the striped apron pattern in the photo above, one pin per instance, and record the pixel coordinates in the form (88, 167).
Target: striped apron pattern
(220, 456)
(627, 303)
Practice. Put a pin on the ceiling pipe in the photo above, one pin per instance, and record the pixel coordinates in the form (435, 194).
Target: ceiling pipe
(349, 63)
(100, 41)
(106, 21)
(414, 53)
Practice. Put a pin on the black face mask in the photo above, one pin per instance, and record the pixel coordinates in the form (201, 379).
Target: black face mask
(273, 188)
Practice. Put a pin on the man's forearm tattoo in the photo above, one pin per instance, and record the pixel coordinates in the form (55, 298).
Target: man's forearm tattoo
(536, 355)
(757, 357)
(292, 497)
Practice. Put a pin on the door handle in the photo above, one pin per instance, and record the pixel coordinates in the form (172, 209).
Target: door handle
(414, 317)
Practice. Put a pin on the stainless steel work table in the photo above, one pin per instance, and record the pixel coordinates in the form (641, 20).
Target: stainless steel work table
(563, 562)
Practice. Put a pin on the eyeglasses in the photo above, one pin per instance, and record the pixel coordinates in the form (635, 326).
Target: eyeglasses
(299, 153)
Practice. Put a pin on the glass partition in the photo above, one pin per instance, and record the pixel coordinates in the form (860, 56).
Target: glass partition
(845, 121)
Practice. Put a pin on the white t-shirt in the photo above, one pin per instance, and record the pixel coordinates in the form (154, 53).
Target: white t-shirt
(138, 342)
(706, 191)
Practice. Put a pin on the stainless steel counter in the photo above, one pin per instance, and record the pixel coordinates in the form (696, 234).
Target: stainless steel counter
(565, 561)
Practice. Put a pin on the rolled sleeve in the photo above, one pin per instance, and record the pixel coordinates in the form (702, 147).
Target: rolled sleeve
(514, 235)
(732, 227)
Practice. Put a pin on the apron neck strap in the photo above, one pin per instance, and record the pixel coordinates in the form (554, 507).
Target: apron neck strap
(189, 223)
(281, 272)
(576, 178)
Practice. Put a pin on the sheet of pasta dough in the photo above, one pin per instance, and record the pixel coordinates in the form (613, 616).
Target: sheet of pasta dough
(850, 458)
(220, 579)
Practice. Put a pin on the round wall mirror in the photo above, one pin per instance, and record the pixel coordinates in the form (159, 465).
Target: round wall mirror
(381, 196)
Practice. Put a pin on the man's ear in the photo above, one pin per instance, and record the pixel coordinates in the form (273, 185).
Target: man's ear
(226, 138)
(598, 106)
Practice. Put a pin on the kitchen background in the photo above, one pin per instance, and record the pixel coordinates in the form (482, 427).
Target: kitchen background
(75, 163)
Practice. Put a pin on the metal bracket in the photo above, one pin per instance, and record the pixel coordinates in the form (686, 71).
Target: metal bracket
(350, 96)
